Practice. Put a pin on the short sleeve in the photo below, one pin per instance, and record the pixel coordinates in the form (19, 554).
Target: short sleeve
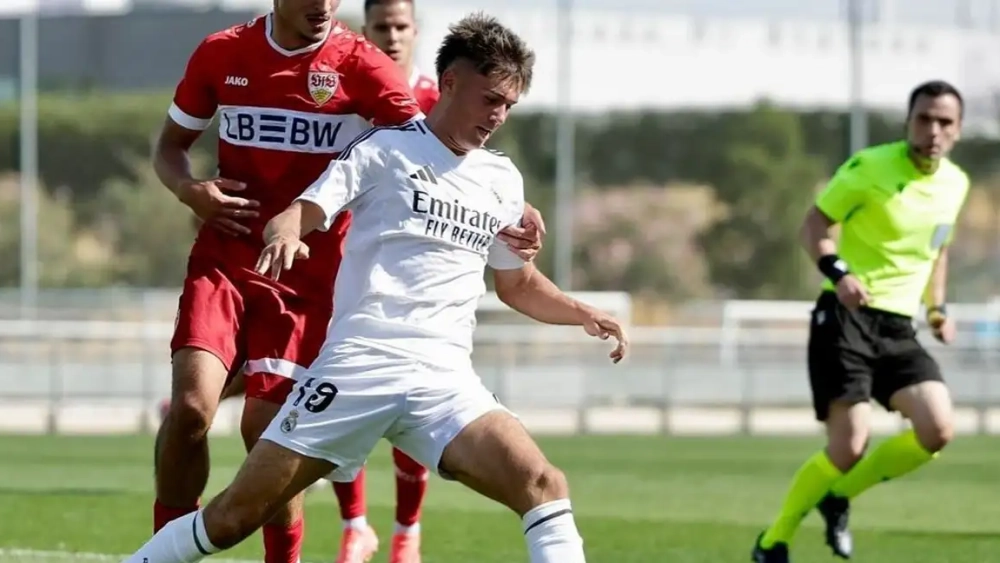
(195, 99)
(500, 256)
(348, 177)
(845, 192)
(380, 90)
(964, 185)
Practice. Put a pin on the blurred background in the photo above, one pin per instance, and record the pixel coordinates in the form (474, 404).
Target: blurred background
(672, 146)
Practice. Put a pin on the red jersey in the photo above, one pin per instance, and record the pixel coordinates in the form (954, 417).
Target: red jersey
(283, 115)
(425, 90)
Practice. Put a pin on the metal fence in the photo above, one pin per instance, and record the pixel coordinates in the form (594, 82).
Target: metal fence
(753, 359)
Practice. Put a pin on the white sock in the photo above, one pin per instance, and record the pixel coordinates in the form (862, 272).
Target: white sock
(182, 541)
(551, 534)
(359, 523)
(401, 529)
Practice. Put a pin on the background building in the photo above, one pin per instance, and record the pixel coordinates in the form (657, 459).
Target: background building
(625, 55)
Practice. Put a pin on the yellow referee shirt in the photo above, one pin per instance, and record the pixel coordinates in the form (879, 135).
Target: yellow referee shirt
(894, 221)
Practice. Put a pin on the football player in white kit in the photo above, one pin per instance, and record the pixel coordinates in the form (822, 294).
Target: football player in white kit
(428, 201)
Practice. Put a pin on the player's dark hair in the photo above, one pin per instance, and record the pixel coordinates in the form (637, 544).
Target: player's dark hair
(493, 50)
(934, 89)
(369, 4)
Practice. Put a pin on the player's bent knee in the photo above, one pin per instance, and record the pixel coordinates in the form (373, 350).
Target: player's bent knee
(847, 433)
(198, 379)
(845, 455)
(846, 445)
(928, 406)
(934, 435)
(191, 416)
(545, 484)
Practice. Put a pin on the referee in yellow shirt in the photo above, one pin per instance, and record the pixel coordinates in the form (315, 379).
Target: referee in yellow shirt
(896, 205)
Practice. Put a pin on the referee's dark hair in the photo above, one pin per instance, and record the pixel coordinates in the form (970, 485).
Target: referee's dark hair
(934, 89)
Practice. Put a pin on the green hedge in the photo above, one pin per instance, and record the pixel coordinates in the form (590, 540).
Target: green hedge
(85, 141)
(761, 163)
(88, 140)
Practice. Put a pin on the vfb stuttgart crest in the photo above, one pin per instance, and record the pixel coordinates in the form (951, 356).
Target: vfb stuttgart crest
(323, 85)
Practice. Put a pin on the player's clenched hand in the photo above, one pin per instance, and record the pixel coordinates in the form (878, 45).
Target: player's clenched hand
(525, 240)
(210, 202)
(851, 293)
(279, 254)
(604, 326)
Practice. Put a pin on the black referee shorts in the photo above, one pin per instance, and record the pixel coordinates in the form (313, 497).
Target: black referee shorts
(856, 356)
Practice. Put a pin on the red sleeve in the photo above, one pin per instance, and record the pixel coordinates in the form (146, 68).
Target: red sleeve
(427, 96)
(195, 100)
(380, 90)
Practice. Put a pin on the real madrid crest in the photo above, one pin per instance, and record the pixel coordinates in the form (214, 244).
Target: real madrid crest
(290, 422)
(323, 85)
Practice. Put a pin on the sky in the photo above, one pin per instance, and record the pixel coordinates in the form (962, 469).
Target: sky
(981, 13)
(916, 11)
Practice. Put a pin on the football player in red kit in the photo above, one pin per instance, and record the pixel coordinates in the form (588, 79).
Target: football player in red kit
(392, 26)
(290, 89)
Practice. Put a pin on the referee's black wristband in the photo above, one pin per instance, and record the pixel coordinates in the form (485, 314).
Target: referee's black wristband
(833, 267)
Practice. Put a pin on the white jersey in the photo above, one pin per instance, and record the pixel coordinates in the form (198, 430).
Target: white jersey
(423, 230)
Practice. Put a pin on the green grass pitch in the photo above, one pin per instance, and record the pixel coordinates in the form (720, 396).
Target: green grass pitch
(637, 500)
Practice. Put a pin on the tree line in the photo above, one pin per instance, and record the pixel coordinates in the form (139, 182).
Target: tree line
(674, 205)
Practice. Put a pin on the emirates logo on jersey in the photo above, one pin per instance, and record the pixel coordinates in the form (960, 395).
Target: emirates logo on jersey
(323, 85)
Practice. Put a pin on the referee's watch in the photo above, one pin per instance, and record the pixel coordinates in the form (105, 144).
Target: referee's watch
(937, 314)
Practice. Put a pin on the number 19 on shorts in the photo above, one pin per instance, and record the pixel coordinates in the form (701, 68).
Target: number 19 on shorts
(317, 399)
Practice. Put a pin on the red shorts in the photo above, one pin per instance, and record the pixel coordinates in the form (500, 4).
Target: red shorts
(234, 314)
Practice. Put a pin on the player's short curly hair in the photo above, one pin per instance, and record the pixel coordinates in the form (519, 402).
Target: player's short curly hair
(493, 49)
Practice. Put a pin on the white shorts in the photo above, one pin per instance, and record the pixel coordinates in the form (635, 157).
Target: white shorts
(339, 413)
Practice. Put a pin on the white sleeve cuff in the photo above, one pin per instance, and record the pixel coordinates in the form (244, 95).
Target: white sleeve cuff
(186, 120)
(501, 257)
(313, 198)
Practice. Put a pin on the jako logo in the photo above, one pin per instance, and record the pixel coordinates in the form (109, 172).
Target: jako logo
(236, 81)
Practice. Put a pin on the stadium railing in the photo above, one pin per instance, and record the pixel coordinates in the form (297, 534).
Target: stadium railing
(744, 374)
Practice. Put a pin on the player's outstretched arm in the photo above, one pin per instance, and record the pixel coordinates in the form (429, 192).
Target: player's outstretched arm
(283, 237)
(529, 292)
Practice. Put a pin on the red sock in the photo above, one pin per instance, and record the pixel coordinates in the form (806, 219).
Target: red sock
(411, 487)
(351, 497)
(163, 515)
(283, 544)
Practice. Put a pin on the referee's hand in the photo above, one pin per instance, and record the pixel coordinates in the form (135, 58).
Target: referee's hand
(942, 327)
(851, 293)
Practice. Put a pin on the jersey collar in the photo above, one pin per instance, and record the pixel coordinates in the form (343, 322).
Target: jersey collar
(334, 28)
